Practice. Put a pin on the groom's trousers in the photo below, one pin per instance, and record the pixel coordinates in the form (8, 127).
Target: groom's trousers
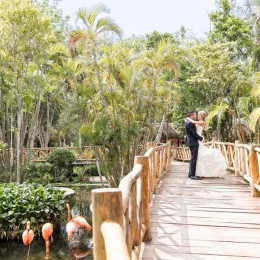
(193, 161)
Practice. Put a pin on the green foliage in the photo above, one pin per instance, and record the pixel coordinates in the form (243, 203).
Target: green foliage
(215, 71)
(110, 93)
(2, 146)
(61, 157)
(28, 202)
(154, 38)
(228, 27)
(35, 172)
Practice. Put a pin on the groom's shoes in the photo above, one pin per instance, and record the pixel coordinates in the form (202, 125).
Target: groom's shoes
(196, 178)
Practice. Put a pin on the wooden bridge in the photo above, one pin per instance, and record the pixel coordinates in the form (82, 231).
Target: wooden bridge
(158, 213)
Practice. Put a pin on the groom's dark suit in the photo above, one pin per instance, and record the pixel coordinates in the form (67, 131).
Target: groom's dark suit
(192, 142)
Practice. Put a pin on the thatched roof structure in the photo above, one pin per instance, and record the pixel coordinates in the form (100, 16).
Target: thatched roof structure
(168, 130)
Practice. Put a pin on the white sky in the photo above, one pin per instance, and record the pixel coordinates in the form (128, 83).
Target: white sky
(138, 17)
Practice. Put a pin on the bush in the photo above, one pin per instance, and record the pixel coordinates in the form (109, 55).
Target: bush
(28, 202)
(61, 159)
(92, 170)
(37, 172)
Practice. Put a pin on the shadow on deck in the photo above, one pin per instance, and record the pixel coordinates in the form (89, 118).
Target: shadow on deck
(213, 218)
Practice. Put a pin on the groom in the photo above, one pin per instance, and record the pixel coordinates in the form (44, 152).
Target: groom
(192, 142)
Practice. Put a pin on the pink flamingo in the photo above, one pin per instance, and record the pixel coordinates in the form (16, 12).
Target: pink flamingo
(71, 226)
(28, 236)
(78, 253)
(47, 230)
(82, 222)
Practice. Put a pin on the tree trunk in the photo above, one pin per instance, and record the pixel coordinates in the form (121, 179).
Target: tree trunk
(102, 96)
(19, 141)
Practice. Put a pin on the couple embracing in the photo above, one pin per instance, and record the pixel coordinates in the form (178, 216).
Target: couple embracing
(205, 162)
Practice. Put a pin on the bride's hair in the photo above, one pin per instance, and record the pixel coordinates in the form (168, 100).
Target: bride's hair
(202, 113)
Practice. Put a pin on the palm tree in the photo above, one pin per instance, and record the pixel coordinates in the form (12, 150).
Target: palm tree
(156, 61)
(231, 110)
(254, 118)
(96, 25)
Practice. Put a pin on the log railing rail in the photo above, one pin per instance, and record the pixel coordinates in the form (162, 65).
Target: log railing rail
(121, 216)
(243, 159)
(41, 154)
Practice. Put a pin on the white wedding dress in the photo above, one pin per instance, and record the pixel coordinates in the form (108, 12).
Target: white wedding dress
(210, 162)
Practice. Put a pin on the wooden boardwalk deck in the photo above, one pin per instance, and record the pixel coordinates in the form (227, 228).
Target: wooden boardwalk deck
(210, 219)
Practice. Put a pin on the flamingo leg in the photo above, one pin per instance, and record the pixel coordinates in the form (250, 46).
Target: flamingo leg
(29, 250)
(47, 242)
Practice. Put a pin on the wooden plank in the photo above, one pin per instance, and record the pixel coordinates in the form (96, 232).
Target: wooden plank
(211, 219)
(205, 250)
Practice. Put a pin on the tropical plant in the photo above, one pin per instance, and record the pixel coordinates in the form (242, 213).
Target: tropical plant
(28, 202)
(36, 172)
(96, 25)
(229, 27)
(27, 33)
(61, 159)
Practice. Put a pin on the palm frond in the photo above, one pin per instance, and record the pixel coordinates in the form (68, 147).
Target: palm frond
(75, 37)
(107, 24)
(94, 11)
(241, 85)
(217, 110)
(174, 66)
(83, 14)
(99, 8)
(60, 48)
(243, 105)
(255, 92)
(253, 119)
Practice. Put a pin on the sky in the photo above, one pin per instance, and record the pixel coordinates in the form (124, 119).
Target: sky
(138, 17)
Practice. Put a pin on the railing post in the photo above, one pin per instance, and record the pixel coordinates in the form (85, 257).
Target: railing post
(214, 139)
(150, 145)
(169, 148)
(236, 158)
(134, 220)
(144, 160)
(107, 205)
(253, 167)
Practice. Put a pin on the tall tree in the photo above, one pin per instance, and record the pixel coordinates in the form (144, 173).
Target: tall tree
(96, 25)
(229, 27)
(26, 35)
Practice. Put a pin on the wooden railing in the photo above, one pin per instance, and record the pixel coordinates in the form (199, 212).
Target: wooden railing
(121, 216)
(244, 159)
(41, 154)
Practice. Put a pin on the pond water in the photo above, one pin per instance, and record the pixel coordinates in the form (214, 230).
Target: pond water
(60, 249)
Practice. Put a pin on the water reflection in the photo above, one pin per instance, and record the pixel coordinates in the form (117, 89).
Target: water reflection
(60, 249)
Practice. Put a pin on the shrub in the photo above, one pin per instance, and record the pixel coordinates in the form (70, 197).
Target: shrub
(92, 170)
(28, 202)
(61, 159)
(37, 172)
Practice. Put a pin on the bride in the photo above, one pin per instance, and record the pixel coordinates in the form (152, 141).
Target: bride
(211, 162)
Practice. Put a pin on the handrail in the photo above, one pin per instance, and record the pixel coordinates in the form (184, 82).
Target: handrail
(114, 241)
(41, 154)
(244, 159)
(127, 208)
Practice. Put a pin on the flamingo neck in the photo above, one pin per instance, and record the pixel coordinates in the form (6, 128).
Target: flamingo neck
(68, 207)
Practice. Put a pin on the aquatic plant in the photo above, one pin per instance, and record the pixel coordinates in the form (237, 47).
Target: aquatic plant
(28, 202)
